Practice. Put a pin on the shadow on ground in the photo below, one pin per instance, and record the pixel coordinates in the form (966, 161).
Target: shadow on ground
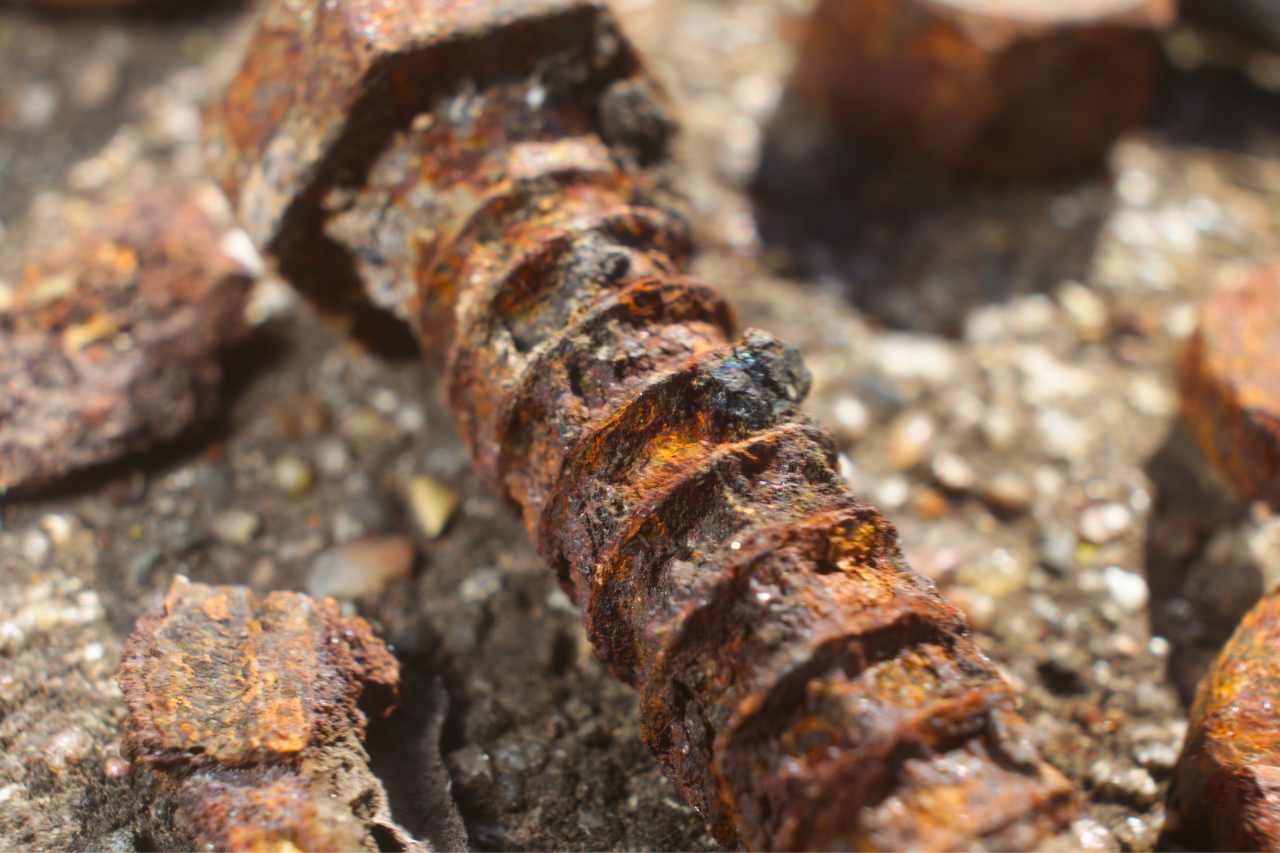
(1201, 583)
(915, 248)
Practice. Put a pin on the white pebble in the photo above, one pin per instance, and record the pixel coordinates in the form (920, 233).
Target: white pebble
(433, 504)
(1105, 522)
(292, 475)
(852, 418)
(35, 546)
(59, 527)
(236, 526)
(1127, 589)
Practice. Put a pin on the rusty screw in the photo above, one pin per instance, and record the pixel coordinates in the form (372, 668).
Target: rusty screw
(248, 714)
(498, 175)
(111, 341)
(1005, 86)
(1226, 792)
(1230, 382)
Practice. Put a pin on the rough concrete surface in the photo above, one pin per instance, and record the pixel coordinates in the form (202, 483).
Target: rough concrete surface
(996, 360)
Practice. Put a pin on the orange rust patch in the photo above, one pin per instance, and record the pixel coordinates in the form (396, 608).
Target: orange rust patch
(1232, 752)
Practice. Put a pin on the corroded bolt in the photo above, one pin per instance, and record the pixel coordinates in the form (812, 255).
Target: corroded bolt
(1226, 792)
(111, 342)
(498, 175)
(1006, 86)
(249, 713)
(1230, 381)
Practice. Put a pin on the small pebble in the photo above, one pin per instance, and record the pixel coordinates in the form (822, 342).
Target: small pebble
(1158, 756)
(1105, 522)
(35, 546)
(1008, 493)
(953, 472)
(236, 526)
(1089, 834)
(333, 457)
(997, 573)
(432, 503)
(69, 747)
(1152, 397)
(915, 358)
(480, 586)
(851, 418)
(1000, 428)
(1063, 436)
(978, 607)
(360, 568)
(292, 475)
(1086, 311)
(410, 419)
(263, 574)
(1127, 589)
(893, 492)
(1133, 785)
(58, 527)
(930, 504)
(1137, 833)
(909, 439)
(116, 767)
(346, 527)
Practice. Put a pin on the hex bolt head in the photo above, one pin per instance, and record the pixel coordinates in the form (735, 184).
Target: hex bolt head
(1004, 86)
(1230, 379)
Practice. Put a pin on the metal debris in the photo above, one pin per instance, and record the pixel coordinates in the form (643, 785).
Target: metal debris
(1230, 382)
(1005, 86)
(249, 713)
(111, 342)
(1226, 794)
(496, 175)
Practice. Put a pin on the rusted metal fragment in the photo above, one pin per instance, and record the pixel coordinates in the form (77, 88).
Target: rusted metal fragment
(802, 685)
(1226, 792)
(248, 714)
(320, 96)
(112, 341)
(1005, 86)
(1230, 382)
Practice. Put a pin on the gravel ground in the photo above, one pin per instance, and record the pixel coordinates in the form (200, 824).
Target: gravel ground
(996, 361)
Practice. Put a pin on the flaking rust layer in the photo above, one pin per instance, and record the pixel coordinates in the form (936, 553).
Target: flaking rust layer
(1226, 793)
(247, 716)
(112, 340)
(497, 174)
(1230, 382)
(1004, 86)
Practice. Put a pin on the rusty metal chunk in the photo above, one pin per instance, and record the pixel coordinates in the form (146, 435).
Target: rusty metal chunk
(1230, 382)
(497, 174)
(112, 340)
(249, 713)
(1226, 793)
(1005, 86)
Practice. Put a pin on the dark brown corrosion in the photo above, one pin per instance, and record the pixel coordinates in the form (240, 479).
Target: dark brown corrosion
(495, 173)
(1007, 86)
(1226, 794)
(112, 341)
(1230, 382)
(249, 713)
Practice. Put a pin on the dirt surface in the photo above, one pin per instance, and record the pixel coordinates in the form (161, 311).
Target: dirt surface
(995, 360)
